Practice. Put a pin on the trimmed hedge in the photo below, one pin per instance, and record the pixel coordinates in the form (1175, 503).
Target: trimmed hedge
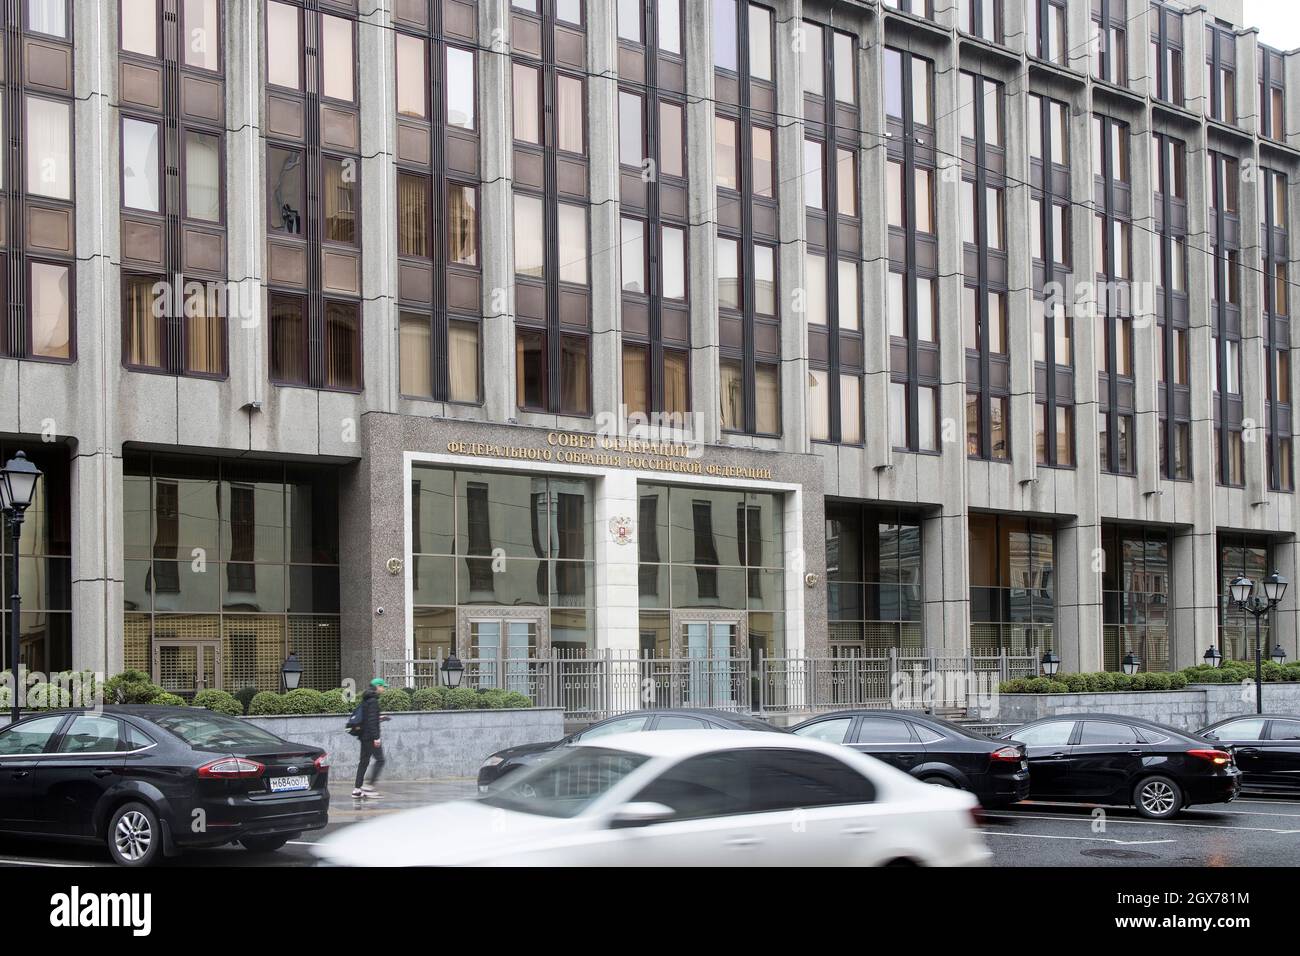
(1101, 682)
(1234, 672)
(303, 700)
(336, 702)
(266, 704)
(219, 701)
(394, 700)
(168, 700)
(130, 687)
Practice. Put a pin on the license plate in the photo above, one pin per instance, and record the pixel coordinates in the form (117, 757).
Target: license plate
(280, 784)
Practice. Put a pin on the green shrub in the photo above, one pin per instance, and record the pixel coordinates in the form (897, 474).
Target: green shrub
(462, 698)
(48, 697)
(336, 702)
(1101, 682)
(220, 701)
(1078, 683)
(516, 700)
(1157, 680)
(265, 704)
(428, 698)
(394, 700)
(130, 687)
(1017, 685)
(304, 700)
(1038, 685)
(494, 699)
(168, 700)
(1177, 681)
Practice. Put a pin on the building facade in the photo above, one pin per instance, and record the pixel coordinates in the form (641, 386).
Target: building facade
(369, 330)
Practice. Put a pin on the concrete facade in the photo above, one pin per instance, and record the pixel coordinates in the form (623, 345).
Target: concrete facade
(98, 408)
(1197, 706)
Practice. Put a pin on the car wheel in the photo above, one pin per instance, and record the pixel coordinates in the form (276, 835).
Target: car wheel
(264, 844)
(134, 836)
(1157, 798)
(938, 780)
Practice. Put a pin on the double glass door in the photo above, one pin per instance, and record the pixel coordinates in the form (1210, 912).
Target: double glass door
(713, 668)
(502, 649)
(187, 667)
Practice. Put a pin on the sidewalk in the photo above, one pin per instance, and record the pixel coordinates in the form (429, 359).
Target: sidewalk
(397, 795)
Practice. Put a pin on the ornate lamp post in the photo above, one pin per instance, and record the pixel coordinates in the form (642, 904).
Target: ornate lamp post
(1051, 664)
(1242, 591)
(18, 481)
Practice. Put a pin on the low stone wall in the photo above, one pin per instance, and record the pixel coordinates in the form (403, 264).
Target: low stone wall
(423, 745)
(1192, 708)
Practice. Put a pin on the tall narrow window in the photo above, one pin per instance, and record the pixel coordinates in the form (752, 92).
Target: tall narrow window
(1108, 49)
(1272, 94)
(653, 196)
(1221, 73)
(982, 18)
(1226, 318)
(748, 324)
(173, 306)
(440, 287)
(1275, 234)
(1112, 231)
(1172, 305)
(913, 277)
(313, 192)
(832, 269)
(1052, 330)
(1048, 35)
(1167, 52)
(552, 282)
(988, 395)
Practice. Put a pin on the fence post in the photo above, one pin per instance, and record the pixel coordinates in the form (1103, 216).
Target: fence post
(891, 674)
(1003, 671)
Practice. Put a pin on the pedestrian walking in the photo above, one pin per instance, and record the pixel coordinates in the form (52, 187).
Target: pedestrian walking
(368, 719)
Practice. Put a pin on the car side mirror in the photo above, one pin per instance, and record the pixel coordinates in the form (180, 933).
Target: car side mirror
(639, 814)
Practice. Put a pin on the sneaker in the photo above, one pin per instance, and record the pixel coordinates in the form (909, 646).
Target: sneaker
(370, 792)
(358, 792)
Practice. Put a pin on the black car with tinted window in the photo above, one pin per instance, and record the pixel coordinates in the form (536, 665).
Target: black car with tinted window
(506, 761)
(149, 781)
(1266, 748)
(931, 749)
(1125, 761)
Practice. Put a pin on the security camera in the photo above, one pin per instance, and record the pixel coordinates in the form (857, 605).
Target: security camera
(379, 611)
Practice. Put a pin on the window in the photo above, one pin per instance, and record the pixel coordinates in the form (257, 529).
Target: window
(1103, 733)
(1225, 318)
(1272, 187)
(882, 730)
(911, 299)
(1108, 51)
(749, 353)
(141, 173)
(552, 294)
(1047, 30)
(832, 731)
(30, 736)
(982, 18)
(1055, 733)
(1115, 336)
(1172, 317)
(49, 147)
(1167, 53)
(437, 205)
(1220, 73)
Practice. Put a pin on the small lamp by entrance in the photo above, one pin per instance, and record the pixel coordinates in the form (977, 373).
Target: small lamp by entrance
(17, 488)
(1274, 588)
(453, 671)
(1213, 657)
(1278, 655)
(1131, 664)
(291, 672)
(1241, 589)
(1051, 664)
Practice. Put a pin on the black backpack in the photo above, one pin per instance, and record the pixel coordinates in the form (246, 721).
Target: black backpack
(354, 722)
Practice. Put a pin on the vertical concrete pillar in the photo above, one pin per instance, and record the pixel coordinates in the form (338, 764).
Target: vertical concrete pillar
(604, 272)
(702, 199)
(497, 216)
(617, 594)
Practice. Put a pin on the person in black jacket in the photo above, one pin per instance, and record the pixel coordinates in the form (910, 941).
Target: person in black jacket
(371, 744)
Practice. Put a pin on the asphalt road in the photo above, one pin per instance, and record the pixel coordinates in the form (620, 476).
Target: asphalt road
(1252, 831)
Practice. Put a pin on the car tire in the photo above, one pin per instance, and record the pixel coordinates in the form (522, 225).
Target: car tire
(263, 844)
(939, 780)
(1157, 798)
(134, 835)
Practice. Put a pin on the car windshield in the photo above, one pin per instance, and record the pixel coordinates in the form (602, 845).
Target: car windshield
(567, 785)
(210, 731)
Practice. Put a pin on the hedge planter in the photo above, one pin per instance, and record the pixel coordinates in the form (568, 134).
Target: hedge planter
(1193, 707)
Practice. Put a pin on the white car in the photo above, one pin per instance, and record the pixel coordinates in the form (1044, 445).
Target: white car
(683, 798)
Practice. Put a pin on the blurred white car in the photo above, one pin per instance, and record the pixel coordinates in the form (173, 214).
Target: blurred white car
(683, 798)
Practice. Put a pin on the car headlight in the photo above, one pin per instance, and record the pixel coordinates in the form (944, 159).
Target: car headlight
(492, 761)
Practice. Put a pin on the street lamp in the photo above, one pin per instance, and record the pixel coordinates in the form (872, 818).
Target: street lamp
(1278, 655)
(291, 672)
(1131, 664)
(1212, 656)
(17, 487)
(452, 670)
(1242, 589)
(1051, 664)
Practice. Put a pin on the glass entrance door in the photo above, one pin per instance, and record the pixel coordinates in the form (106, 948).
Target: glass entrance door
(187, 667)
(713, 668)
(501, 650)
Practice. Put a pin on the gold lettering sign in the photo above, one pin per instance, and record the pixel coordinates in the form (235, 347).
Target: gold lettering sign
(600, 451)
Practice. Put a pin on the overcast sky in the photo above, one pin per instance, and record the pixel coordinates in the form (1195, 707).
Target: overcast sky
(1278, 22)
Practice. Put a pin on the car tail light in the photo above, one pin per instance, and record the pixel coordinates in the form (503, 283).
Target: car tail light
(1006, 755)
(322, 762)
(229, 768)
(977, 815)
(1220, 758)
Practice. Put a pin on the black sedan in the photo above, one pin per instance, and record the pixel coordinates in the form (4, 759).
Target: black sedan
(526, 755)
(1265, 746)
(1109, 759)
(148, 781)
(931, 749)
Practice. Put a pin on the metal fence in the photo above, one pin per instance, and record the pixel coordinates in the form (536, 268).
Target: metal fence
(593, 685)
